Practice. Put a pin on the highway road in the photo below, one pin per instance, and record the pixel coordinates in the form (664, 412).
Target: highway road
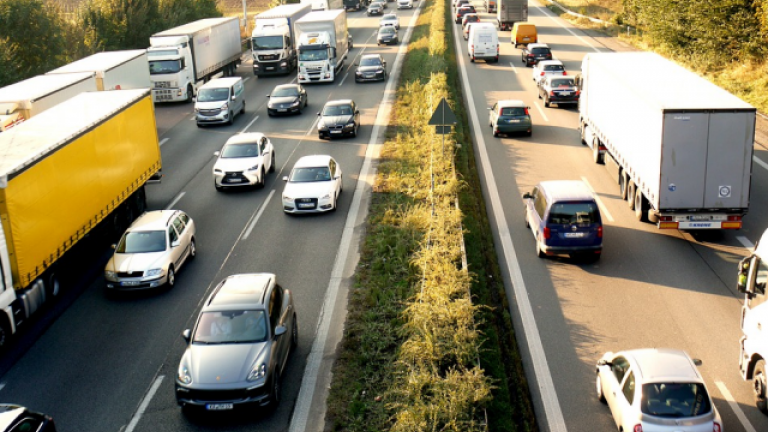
(109, 363)
(651, 288)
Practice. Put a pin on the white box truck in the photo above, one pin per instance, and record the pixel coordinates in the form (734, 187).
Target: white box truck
(273, 40)
(26, 99)
(679, 146)
(324, 5)
(183, 58)
(322, 45)
(511, 11)
(753, 345)
(115, 70)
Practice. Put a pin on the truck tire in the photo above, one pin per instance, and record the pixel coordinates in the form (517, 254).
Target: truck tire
(190, 94)
(631, 191)
(52, 286)
(623, 179)
(596, 156)
(760, 382)
(5, 332)
(581, 129)
(641, 206)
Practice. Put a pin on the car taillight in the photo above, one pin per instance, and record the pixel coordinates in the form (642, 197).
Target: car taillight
(665, 218)
(472, 47)
(526, 111)
(638, 428)
(734, 218)
(549, 55)
(565, 73)
(547, 233)
(552, 93)
(600, 231)
(542, 73)
(716, 427)
(530, 55)
(578, 92)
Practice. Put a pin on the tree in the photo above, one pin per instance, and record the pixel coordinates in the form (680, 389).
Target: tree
(177, 12)
(120, 24)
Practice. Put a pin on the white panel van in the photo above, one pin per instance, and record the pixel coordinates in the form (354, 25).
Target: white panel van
(483, 42)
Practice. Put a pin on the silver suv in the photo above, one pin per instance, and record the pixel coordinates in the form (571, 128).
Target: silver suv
(151, 251)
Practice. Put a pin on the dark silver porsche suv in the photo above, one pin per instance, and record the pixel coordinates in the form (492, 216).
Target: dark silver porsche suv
(239, 346)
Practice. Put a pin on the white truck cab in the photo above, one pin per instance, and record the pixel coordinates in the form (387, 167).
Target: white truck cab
(170, 69)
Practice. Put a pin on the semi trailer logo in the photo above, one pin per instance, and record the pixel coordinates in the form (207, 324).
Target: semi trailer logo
(724, 191)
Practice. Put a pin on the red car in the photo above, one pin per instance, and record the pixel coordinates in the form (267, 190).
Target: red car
(462, 11)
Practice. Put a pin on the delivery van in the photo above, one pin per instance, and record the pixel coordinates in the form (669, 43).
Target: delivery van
(483, 43)
(524, 33)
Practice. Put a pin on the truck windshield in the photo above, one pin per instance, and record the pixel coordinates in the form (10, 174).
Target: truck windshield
(213, 94)
(313, 55)
(267, 43)
(158, 67)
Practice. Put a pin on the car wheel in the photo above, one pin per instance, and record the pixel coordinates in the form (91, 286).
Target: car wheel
(306, 102)
(546, 103)
(295, 333)
(759, 382)
(272, 163)
(231, 117)
(527, 224)
(472, 59)
(599, 388)
(276, 391)
(354, 131)
(335, 202)
(341, 184)
(269, 113)
(242, 110)
(262, 179)
(495, 133)
(539, 95)
(171, 278)
(218, 188)
(5, 333)
(529, 133)
(539, 253)
(192, 249)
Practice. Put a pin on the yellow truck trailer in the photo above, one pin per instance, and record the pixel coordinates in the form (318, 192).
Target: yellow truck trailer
(63, 172)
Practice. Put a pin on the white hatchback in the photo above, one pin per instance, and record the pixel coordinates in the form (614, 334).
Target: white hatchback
(405, 4)
(390, 20)
(546, 68)
(314, 185)
(656, 390)
(244, 160)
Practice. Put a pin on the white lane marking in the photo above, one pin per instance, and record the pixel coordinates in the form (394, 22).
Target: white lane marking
(249, 124)
(514, 69)
(345, 77)
(246, 79)
(144, 404)
(258, 215)
(314, 126)
(316, 355)
(551, 16)
(599, 201)
(735, 407)
(553, 412)
(2, 386)
(175, 200)
(745, 242)
(760, 162)
(293, 81)
(536, 104)
(193, 118)
(163, 141)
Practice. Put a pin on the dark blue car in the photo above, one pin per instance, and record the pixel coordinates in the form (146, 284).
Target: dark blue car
(565, 219)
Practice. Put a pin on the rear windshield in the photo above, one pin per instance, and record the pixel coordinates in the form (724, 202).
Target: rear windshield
(540, 50)
(516, 111)
(675, 400)
(553, 68)
(574, 213)
(564, 82)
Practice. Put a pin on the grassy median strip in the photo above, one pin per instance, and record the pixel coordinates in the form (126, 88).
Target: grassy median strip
(413, 337)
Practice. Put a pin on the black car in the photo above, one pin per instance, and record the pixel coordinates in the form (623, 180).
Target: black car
(375, 8)
(15, 418)
(371, 68)
(338, 118)
(387, 35)
(287, 99)
(239, 346)
(534, 53)
(559, 90)
(460, 12)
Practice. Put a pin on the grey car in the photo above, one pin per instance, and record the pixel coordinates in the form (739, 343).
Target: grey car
(338, 118)
(387, 35)
(239, 346)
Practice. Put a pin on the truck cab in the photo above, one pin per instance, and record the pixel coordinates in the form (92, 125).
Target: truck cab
(272, 46)
(318, 59)
(170, 69)
(753, 346)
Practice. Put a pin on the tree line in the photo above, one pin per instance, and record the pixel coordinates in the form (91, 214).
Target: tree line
(36, 36)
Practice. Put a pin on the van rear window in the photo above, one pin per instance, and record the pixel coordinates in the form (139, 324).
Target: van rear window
(563, 213)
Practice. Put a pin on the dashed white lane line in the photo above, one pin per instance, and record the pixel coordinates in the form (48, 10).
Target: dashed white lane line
(603, 208)
(536, 104)
(345, 77)
(246, 79)
(514, 69)
(258, 215)
(175, 200)
(314, 126)
(163, 141)
(249, 124)
(2, 386)
(745, 242)
(144, 404)
(760, 162)
(735, 407)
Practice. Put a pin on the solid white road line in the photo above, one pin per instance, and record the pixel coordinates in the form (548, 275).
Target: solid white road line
(735, 407)
(258, 215)
(144, 404)
(309, 382)
(2, 386)
(552, 16)
(745, 242)
(553, 412)
(345, 77)
(246, 79)
(599, 201)
(536, 104)
(760, 162)
(249, 124)
(314, 126)
(175, 200)
(163, 141)
(514, 69)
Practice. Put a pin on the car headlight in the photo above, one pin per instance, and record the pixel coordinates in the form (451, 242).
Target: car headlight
(351, 124)
(296, 103)
(258, 372)
(320, 124)
(326, 196)
(224, 107)
(184, 375)
(218, 171)
(153, 272)
(254, 168)
(197, 109)
(284, 64)
(109, 274)
(358, 73)
(287, 198)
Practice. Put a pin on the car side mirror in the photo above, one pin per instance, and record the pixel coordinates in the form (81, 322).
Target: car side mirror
(285, 178)
(194, 99)
(280, 330)
(175, 243)
(268, 95)
(217, 153)
(357, 111)
(318, 114)
(490, 108)
(697, 362)
(337, 177)
(234, 97)
(527, 195)
(187, 335)
(114, 246)
(604, 362)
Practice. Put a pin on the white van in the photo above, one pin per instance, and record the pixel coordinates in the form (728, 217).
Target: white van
(220, 100)
(483, 42)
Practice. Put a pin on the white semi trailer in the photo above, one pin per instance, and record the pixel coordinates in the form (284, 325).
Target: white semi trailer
(115, 70)
(322, 44)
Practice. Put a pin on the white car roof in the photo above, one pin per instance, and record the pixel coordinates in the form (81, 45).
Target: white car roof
(312, 161)
(510, 103)
(221, 82)
(152, 221)
(549, 62)
(245, 138)
(663, 364)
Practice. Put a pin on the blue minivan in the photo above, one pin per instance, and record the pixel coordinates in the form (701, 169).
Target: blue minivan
(564, 218)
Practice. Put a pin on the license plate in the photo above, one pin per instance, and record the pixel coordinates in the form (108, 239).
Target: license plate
(282, 110)
(130, 283)
(574, 235)
(219, 407)
(525, 39)
(336, 132)
(310, 205)
(235, 180)
(513, 121)
(565, 93)
(700, 218)
(270, 68)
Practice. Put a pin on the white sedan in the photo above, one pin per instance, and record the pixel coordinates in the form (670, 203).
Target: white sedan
(405, 4)
(390, 20)
(656, 390)
(314, 185)
(244, 160)
(546, 68)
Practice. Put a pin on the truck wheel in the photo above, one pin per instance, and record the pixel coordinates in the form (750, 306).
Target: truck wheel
(631, 191)
(623, 185)
(582, 129)
(598, 158)
(190, 94)
(52, 286)
(5, 332)
(759, 386)
(641, 206)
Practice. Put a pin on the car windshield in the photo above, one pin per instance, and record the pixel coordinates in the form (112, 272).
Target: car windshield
(370, 61)
(141, 242)
(313, 55)
(574, 213)
(389, 18)
(267, 42)
(562, 83)
(240, 151)
(238, 326)
(553, 68)
(540, 50)
(337, 110)
(285, 92)
(212, 94)
(158, 67)
(313, 174)
(387, 30)
(514, 111)
(675, 400)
